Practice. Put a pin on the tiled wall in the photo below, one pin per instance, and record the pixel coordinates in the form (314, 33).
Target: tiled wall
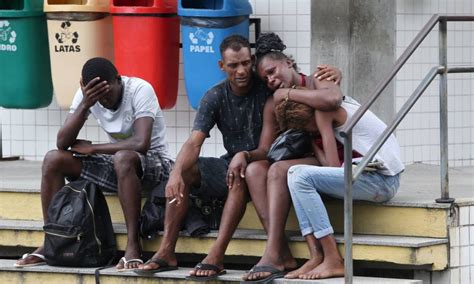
(31, 133)
(419, 133)
(462, 247)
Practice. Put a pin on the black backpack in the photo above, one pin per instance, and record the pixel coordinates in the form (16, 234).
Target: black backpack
(78, 232)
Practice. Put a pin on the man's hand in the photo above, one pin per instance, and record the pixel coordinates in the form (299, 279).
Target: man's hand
(328, 73)
(236, 171)
(175, 188)
(93, 91)
(82, 147)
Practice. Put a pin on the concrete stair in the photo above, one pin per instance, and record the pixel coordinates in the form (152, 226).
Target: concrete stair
(411, 232)
(60, 275)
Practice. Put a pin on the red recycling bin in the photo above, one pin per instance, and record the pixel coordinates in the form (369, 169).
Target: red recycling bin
(146, 43)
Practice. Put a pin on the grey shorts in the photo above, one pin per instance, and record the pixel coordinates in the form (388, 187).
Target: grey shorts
(99, 168)
(213, 178)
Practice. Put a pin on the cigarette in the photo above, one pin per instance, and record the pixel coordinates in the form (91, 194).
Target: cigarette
(172, 200)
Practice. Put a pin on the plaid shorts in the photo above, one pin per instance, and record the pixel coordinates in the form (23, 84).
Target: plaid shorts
(99, 168)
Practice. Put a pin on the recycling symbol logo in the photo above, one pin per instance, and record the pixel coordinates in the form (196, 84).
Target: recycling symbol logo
(201, 35)
(7, 34)
(66, 34)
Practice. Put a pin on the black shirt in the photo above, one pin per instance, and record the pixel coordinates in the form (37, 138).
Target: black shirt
(239, 118)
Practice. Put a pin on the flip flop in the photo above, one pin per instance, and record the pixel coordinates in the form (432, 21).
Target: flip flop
(163, 266)
(206, 266)
(125, 262)
(40, 256)
(274, 274)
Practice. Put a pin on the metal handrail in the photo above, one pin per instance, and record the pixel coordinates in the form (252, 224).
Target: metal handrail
(442, 70)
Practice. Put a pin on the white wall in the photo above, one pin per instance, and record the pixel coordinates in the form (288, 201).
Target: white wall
(419, 133)
(31, 133)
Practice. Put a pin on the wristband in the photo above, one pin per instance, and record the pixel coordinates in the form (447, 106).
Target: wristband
(248, 156)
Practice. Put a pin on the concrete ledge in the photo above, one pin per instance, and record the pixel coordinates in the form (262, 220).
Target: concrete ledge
(53, 274)
(248, 234)
(429, 252)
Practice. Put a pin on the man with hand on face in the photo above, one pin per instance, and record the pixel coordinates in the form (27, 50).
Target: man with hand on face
(137, 156)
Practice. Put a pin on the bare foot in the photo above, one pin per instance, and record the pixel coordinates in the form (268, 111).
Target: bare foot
(326, 269)
(311, 264)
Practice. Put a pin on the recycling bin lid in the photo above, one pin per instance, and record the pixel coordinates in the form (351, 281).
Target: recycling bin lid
(143, 6)
(214, 8)
(76, 6)
(21, 8)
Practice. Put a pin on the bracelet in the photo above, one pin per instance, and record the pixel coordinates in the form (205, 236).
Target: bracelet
(248, 156)
(287, 95)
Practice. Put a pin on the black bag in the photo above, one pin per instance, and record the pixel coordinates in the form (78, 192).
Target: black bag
(204, 214)
(78, 232)
(210, 208)
(152, 217)
(291, 144)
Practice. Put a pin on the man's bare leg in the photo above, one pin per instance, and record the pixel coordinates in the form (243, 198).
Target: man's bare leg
(57, 164)
(127, 167)
(234, 209)
(174, 217)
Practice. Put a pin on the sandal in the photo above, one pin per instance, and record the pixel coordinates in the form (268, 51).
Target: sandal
(162, 266)
(206, 266)
(26, 255)
(126, 262)
(274, 274)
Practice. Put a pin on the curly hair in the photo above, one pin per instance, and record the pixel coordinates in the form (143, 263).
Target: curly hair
(270, 45)
(293, 115)
(98, 67)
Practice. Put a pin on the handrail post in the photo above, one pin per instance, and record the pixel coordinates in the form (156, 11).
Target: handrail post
(443, 112)
(348, 268)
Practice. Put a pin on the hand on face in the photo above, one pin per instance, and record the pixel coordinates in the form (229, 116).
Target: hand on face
(93, 91)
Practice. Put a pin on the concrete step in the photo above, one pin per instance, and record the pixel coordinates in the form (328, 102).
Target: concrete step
(431, 253)
(393, 218)
(52, 275)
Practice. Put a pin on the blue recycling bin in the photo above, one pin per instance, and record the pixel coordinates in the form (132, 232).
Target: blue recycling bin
(204, 24)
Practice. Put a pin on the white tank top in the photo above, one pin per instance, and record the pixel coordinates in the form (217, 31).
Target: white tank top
(364, 135)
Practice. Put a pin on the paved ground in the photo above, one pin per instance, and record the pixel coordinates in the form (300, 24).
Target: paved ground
(420, 182)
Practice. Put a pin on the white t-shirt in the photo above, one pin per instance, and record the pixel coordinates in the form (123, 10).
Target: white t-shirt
(139, 100)
(364, 135)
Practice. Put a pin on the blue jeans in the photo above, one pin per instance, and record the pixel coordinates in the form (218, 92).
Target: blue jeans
(307, 182)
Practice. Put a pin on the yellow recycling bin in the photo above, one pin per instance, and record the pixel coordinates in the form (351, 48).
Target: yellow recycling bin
(77, 30)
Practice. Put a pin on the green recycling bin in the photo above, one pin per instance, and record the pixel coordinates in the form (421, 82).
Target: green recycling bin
(24, 55)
